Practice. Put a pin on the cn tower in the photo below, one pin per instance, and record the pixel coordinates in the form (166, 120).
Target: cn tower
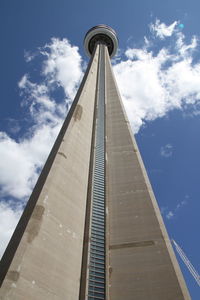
(92, 228)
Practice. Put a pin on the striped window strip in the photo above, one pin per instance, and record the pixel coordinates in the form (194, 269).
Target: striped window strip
(96, 282)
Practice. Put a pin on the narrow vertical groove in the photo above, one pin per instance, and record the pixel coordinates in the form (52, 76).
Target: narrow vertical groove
(83, 280)
(96, 280)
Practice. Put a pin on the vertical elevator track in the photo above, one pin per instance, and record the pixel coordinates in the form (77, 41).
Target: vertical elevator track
(96, 276)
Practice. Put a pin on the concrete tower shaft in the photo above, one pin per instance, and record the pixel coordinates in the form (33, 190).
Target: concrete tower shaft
(92, 228)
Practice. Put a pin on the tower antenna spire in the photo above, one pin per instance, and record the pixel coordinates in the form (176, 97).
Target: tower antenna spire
(187, 262)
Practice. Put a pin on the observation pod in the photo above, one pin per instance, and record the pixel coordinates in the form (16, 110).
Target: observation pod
(102, 34)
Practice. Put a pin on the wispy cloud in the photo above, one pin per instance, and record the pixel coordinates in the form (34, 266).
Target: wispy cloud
(162, 30)
(166, 151)
(170, 214)
(13, 125)
(28, 56)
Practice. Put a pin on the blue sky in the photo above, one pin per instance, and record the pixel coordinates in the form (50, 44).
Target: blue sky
(158, 72)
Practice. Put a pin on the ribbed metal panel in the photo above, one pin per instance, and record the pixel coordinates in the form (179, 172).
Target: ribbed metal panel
(96, 283)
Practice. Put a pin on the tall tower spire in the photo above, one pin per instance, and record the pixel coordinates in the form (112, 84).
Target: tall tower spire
(92, 228)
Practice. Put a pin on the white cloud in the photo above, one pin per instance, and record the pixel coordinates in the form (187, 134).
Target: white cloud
(22, 158)
(28, 56)
(181, 204)
(147, 42)
(166, 151)
(140, 85)
(152, 84)
(169, 215)
(183, 48)
(161, 30)
(63, 65)
(8, 221)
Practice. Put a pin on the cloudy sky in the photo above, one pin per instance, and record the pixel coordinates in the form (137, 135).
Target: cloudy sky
(158, 72)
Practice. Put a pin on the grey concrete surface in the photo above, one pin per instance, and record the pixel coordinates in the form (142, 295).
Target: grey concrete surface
(47, 263)
(141, 264)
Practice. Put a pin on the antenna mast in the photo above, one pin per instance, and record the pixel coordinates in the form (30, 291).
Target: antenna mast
(187, 262)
